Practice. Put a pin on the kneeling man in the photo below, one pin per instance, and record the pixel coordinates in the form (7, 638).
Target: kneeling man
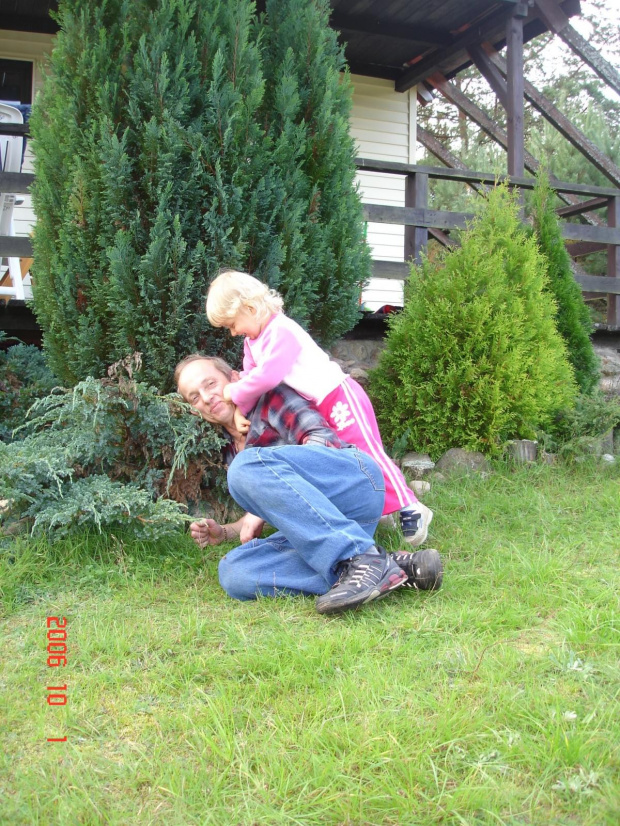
(323, 496)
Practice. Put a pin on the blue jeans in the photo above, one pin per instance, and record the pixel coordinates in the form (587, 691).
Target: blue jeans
(325, 503)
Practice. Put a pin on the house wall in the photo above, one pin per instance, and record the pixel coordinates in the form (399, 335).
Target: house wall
(383, 123)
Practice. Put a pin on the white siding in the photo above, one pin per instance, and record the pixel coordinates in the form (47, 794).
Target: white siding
(32, 47)
(383, 125)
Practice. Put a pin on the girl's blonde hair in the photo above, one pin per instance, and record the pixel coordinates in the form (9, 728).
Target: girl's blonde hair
(233, 291)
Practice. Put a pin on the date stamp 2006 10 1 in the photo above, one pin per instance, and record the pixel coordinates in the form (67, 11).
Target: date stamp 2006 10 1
(57, 657)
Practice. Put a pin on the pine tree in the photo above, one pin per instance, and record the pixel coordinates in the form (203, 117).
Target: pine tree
(474, 358)
(157, 163)
(572, 315)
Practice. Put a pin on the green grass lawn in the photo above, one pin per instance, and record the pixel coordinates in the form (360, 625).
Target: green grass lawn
(492, 701)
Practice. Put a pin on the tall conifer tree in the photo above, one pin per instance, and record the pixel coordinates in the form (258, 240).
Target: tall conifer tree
(158, 160)
(572, 315)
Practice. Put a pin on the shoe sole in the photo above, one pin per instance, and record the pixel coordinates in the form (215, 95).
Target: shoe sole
(418, 538)
(395, 581)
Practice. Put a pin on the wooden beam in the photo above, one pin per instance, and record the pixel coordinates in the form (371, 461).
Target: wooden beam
(613, 263)
(558, 22)
(15, 246)
(17, 182)
(582, 207)
(490, 73)
(416, 196)
(600, 284)
(581, 232)
(467, 175)
(371, 24)
(475, 34)
(441, 219)
(581, 248)
(592, 283)
(514, 84)
(412, 217)
(587, 148)
(442, 238)
(390, 269)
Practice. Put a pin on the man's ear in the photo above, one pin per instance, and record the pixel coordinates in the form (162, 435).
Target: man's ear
(234, 376)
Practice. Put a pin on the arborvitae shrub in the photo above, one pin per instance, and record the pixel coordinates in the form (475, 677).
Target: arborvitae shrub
(573, 318)
(170, 141)
(474, 358)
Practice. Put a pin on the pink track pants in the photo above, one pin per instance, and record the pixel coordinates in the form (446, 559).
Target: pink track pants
(348, 410)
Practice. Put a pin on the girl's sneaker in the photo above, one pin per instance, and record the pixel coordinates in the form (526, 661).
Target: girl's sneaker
(414, 522)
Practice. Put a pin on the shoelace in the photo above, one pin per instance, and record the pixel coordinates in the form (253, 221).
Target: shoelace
(364, 572)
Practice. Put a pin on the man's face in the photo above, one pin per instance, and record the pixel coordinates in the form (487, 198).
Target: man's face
(201, 384)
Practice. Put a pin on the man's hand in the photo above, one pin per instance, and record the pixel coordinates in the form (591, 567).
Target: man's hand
(251, 527)
(226, 393)
(241, 423)
(206, 532)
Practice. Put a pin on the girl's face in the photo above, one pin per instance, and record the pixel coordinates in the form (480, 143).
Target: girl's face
(245, 323)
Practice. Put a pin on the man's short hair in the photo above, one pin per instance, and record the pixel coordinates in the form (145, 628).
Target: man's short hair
(216, 361)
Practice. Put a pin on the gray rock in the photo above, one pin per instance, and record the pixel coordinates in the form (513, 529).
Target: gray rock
(417, 464)
(610, 369)
(607, 457)
(359, 374)
(458, 459)
(420, 488)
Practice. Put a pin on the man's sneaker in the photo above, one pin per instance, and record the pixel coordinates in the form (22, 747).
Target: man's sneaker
(423, 568)
(362, 579)
(414, 522)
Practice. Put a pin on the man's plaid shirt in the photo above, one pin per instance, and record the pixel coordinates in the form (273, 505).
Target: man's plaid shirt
(283, 417)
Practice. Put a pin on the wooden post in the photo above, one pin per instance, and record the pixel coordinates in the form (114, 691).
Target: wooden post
(514, 54)
(613, 262)
(416, 195)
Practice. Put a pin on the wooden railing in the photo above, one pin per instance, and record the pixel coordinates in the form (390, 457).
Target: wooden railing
(420, 222)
